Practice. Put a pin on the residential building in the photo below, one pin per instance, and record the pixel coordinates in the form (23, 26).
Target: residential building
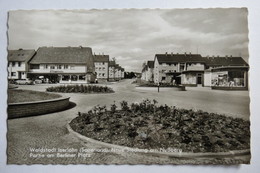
(18, 63)
(122, 73)
(111, 70)
(193, 70)
(63, 65)
(147, 72)
(101, 66)
(117, 72)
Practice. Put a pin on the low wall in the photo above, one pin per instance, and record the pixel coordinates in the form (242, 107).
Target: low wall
(228, 88)
(17, 110)
(182, 88)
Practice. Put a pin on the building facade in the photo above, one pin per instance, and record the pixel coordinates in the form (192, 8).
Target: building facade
(101, 66)
(63, 65)
(148, 71)
(18, 66)
(193, 70)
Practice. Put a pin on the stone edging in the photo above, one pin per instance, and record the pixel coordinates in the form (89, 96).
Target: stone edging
(24, 109)
(170, 154)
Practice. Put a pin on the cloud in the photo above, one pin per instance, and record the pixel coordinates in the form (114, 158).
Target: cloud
(133, 36)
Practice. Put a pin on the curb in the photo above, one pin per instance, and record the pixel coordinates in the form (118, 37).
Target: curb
(169, 154)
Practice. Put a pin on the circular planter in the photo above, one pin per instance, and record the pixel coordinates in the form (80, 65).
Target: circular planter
(25, 109)
(158, 153)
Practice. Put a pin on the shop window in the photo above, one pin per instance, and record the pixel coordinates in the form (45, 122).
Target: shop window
(13, 64)
(74, 77)
(52, 67)
(82, 77)
(19, 64)
(65, 77)
(59, 67)
(13, 73)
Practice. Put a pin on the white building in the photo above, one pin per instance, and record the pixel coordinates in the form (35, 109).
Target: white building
(63, 64)
(101, 66)
(18, 63)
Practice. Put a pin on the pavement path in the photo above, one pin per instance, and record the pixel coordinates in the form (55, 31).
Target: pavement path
(49, 131)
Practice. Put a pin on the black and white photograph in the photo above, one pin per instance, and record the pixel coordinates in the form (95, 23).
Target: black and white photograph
(128, 86)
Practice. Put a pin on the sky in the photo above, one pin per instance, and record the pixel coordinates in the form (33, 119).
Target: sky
(133, 36)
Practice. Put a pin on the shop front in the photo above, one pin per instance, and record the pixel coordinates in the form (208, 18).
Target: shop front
(230, 78)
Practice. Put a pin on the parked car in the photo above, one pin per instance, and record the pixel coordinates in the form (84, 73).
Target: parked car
(37, 81)
(24, 82)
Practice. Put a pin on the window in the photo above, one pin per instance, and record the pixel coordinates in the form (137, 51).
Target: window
(103, 68)
(82, 77)
(99, 74)
(19, 64)
(13, 73)
(74, 77)
(59, 67)
(13, 64)
(52, 67)
(35, 66)
(103, 74)
(163, 78)
(45, 66)
(66, 66)
(65, 77)
(99, 68)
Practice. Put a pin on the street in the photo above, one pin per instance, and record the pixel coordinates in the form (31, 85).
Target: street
(48, 131)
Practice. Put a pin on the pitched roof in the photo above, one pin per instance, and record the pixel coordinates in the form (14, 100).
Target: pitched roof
(72, 55)
(209, 61)
(150, 64)
(174, 58)
(112, 63)
(225, 61)
(64, 55)
(101, 58)
(20, 55)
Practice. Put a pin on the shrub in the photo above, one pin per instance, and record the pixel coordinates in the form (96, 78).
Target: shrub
(80, 89)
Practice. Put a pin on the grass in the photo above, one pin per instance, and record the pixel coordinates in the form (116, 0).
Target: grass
(18, 96)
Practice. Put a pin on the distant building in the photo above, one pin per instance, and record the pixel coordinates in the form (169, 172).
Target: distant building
(101, 66)
(63, 64)
(147, 72)
(18, 63)
(111, 70)
(193, 70)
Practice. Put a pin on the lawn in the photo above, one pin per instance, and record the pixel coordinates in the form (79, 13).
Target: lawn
(18, 96)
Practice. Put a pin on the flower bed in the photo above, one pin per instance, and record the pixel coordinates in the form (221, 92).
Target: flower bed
(80, 89)
(147, 125)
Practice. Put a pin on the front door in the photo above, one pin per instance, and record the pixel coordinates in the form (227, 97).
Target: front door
(19, 75)
(199, 78)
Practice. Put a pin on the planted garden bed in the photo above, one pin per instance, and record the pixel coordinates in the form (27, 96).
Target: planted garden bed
(147, 125)
(80, 89)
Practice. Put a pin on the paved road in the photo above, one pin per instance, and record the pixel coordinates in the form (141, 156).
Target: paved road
(48, 131)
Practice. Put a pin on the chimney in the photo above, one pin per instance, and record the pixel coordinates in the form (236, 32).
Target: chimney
(185, 53)
(230, 56)
(166, 53)
(171, 53)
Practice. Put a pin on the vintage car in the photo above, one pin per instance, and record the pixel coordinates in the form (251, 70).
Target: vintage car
(24, 82)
